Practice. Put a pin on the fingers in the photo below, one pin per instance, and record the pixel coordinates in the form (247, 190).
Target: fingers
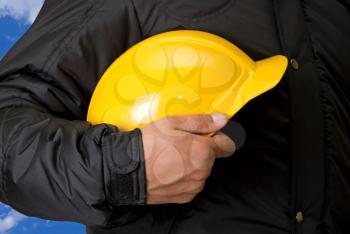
(178, 166)
(198, 124)
(220, 144)
(224, 145)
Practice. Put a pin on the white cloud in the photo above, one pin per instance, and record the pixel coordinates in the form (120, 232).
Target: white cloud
(26, 10)
(10, 220)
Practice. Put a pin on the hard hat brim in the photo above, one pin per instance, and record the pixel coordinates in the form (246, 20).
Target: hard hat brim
(268, 74)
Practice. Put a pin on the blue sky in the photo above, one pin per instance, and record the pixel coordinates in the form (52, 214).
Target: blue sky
(16, 17)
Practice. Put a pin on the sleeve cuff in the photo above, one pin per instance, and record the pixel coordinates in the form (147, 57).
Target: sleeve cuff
(124, 168)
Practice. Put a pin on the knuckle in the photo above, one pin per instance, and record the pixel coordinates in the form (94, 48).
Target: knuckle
(189, 198)
(193, 124)
(200, 122)
(184, 199)
(201, 175)
(198, 159)
(198, 177)
(192, 187)
(204, 150)
(201, 157)
(173, 120)
(205, 119)
(208, 158)
(208, 152)
(178, 201)
(197, 187)
(204, 125)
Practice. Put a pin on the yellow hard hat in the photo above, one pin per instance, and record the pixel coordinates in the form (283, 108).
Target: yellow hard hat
(177, 73)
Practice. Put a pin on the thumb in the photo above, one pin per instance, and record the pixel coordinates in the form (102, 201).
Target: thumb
(200, 123)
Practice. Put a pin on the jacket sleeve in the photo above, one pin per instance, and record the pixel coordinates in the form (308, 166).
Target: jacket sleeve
(53, 164)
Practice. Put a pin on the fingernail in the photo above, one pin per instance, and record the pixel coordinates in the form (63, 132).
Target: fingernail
(219, 118)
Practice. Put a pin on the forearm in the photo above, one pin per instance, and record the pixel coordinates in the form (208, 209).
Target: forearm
(68, 170)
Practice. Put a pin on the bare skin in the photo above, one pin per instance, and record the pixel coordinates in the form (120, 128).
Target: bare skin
(179, 155)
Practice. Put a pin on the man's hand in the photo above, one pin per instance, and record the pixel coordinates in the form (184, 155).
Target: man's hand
(179, 155)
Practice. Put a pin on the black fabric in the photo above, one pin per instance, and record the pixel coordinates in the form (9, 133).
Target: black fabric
(308, 159)
(296, 155)
(55, 165)
(329, 38)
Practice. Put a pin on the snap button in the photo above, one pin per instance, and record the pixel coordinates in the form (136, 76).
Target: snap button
(299, 217)
(294, 63)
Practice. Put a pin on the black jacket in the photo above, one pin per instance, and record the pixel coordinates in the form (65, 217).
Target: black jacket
(292, 174)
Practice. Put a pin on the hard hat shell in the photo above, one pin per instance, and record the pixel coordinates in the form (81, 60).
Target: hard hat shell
(177, 73)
